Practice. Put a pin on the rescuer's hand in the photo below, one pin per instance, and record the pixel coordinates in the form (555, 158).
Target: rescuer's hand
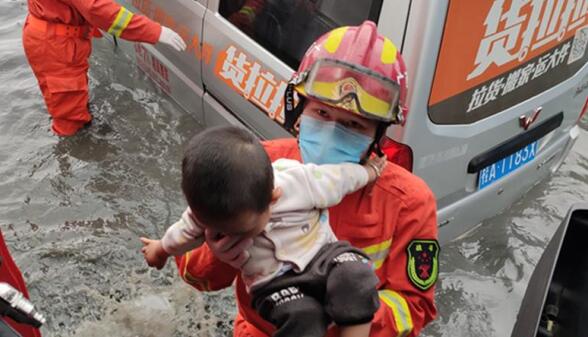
(374, 167)
(172, 39)
(154, 253)
(231, 250)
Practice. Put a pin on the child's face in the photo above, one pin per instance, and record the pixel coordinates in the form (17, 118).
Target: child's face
(248, 224)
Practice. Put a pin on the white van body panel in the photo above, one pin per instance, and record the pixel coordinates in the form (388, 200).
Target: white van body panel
(227, 76)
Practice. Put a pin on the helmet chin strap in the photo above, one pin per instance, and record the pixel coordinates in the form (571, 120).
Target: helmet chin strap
(380, 132)
(291, 112)
(375, 145)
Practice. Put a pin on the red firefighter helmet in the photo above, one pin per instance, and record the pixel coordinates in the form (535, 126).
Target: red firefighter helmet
(355, 69)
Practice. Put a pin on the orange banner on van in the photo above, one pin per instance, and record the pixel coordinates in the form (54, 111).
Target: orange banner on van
(245, 75)
(484, 39)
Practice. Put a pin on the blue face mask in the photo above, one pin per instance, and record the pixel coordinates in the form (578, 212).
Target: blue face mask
(329, 142)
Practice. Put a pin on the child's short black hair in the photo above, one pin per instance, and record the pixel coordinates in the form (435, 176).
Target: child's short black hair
(226, 171)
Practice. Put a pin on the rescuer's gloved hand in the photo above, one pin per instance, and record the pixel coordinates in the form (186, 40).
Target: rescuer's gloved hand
(172, 39)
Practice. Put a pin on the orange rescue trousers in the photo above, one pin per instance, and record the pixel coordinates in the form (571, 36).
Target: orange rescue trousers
(58, 55)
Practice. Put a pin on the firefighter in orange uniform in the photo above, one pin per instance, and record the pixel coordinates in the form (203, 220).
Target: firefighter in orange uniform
(57, 42)
(352, 86)
(242, 13)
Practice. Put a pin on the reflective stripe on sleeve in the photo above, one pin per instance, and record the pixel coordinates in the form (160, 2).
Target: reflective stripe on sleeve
(249, 12)
(378, 252)
(188, 278)
(400, 310)
(121, 22)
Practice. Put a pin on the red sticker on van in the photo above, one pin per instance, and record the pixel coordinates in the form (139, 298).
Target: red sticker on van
(152, 67)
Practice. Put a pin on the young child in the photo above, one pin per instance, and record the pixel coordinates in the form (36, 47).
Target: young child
(300, 277)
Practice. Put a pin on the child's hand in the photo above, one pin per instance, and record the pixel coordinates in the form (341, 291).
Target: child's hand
(154, 253)
(375, 166)
(231, 250)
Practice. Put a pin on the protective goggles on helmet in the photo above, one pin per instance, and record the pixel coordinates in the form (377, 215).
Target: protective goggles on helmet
(351, 87)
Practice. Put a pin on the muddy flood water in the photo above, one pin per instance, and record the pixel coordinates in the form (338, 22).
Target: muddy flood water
(72, 211)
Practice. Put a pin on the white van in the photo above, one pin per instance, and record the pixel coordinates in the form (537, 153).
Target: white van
(496, 87)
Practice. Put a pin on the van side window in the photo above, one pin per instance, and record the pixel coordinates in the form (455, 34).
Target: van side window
(286, 28)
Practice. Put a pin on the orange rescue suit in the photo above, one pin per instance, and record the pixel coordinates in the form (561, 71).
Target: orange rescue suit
(383, 219)
(57, 43)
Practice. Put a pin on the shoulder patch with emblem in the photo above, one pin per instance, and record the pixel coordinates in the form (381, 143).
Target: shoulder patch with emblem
(423, 263)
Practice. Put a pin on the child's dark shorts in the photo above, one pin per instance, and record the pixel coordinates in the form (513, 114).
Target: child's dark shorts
(338, 285)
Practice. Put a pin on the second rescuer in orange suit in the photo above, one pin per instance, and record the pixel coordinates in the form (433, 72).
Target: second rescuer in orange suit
(57, 44)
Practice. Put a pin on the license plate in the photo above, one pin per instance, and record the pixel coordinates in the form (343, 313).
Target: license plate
(504, 166)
